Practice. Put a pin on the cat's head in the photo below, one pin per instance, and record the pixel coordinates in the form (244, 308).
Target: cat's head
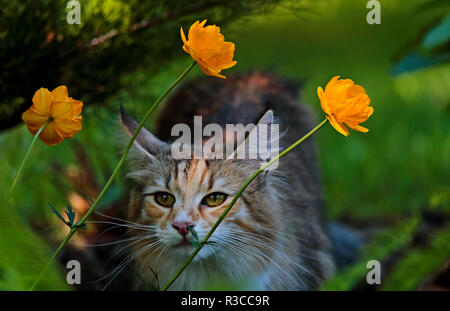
(171, 195)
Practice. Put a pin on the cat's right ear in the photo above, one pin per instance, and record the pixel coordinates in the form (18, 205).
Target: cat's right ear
(145, 143)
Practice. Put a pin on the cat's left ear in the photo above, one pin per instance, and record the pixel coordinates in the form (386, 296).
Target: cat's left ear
(146, 144)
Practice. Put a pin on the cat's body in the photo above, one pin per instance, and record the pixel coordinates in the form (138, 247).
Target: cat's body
(274, 238)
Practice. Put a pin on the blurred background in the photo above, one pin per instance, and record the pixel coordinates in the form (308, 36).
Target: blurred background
(391, 184)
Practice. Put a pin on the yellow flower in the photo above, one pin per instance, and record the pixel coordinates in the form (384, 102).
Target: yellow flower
(207, 46)
(62, 112)
(345, 102)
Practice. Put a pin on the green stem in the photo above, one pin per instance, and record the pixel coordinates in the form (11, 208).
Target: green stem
(19, 171)
(50, 261)
(115, 172)
(235, 198)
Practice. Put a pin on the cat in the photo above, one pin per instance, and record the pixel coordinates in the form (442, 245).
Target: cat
(274, 237)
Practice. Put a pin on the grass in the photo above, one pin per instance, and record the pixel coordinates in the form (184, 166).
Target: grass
(23, 254)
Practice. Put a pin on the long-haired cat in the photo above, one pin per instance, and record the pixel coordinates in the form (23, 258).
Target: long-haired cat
(274, 238)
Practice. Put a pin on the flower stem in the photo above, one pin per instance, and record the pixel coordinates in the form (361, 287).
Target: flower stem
(25, 158)
(235, 198)
(115, 172)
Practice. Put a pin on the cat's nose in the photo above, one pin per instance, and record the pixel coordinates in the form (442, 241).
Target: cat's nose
(182, 227)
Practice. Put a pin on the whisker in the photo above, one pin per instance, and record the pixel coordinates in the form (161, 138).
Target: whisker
(135, 226)
(131, 259)
(250, 242)
(109, 243)
(282, 270)
(255, 235)
(124, 248)
(115, 218)
(126, 260)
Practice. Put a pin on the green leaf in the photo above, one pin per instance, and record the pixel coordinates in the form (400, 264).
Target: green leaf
(416, 61)
(195, 243)
(438, 35)
(209, 242)
(156, 278)
(70, 215)
(194, 233)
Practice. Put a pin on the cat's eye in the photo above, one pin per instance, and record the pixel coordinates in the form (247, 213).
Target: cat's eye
(165, 199)
(214, 199)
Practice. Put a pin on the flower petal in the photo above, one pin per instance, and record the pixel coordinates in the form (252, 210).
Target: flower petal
(323, 102)
(338, 126)
(61, 110)
(320, 92)
(183, 37)
(331, 84)
(60, 94)
(34, 120)
(357, 127)
(210, 72)
(50, 136)
(77, 106)
(42, 101)
(68, 128)
(355, 90)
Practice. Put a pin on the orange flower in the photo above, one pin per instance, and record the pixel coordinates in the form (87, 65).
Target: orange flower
(207, 46)
(62, 112)
(345, 102)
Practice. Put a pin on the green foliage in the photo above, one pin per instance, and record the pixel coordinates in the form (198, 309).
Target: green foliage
(383, 244)
(70, 215)
(70, 222)
(419, 263)
(23, 254)
(438, 35)
(67, 222)
(433, 50)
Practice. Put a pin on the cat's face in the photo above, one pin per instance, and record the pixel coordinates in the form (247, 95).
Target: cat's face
(190, 193)
(176, 197)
